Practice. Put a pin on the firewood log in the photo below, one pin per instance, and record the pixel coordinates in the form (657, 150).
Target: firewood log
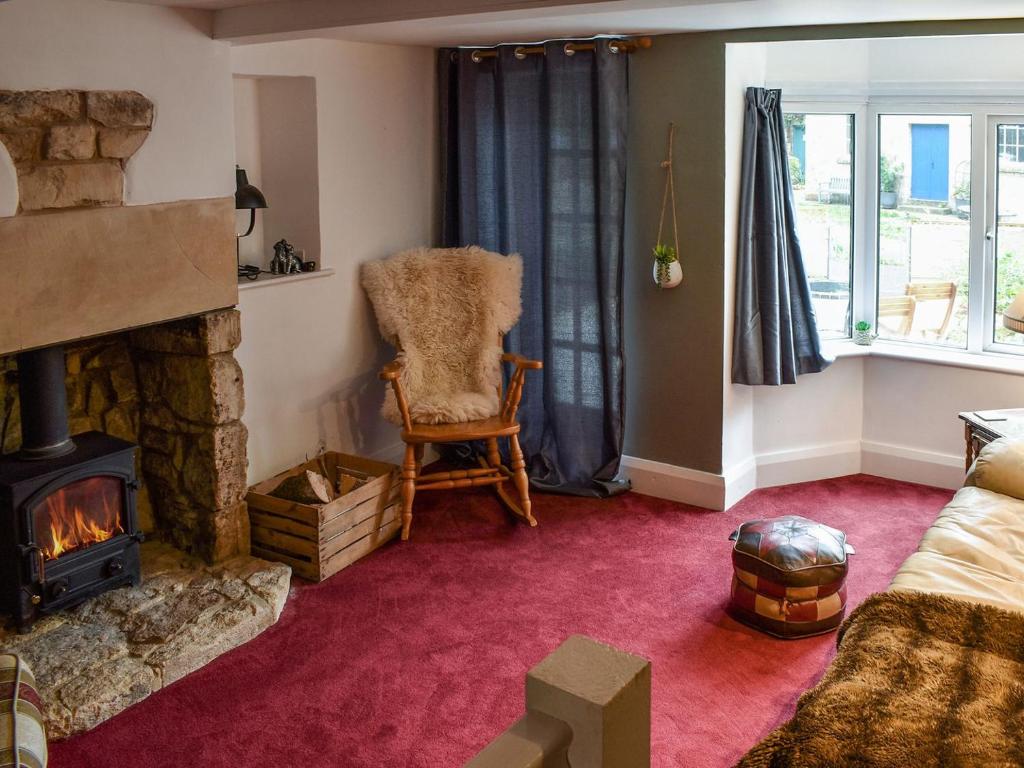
(306, 488)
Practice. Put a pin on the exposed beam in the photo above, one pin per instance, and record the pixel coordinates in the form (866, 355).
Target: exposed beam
(292, 18)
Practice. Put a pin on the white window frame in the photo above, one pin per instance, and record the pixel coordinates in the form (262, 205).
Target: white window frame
(984, 112)
(857, 180)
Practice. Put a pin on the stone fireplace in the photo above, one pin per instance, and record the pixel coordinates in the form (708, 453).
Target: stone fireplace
(137, 301)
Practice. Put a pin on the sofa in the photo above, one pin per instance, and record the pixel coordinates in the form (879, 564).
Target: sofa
(931, 671)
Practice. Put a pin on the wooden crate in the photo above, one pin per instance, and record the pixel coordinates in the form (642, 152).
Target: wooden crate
(317, 541)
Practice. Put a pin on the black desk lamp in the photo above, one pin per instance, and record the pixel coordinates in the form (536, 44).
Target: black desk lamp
(247, 197)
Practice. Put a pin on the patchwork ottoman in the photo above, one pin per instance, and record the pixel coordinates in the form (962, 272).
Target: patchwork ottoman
(789, 576)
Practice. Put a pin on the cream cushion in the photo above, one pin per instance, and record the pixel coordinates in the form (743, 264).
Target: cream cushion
(975, 549)
(1000, 468)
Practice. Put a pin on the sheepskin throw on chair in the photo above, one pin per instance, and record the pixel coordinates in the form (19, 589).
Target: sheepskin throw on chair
(443, 309)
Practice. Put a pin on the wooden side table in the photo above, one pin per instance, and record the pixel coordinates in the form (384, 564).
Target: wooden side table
(982, 427)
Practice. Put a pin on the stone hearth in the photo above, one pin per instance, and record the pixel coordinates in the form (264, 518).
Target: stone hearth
(100, 658)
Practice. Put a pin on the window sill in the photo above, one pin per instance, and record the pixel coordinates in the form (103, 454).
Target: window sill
(265, 279)
(995, 362)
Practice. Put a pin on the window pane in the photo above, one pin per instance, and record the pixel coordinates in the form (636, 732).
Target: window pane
(924, 177)
(1009, 242)
(821, 164)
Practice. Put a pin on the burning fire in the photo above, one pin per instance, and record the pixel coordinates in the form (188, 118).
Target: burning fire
(83, 513)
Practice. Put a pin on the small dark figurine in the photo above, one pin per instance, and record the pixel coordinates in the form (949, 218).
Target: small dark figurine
(285, 261)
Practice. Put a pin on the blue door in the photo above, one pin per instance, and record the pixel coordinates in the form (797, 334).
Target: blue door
(800, 148)
(929, 162)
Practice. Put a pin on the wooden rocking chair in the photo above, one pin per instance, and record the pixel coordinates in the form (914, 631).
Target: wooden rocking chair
(442, 309)
(491, 471)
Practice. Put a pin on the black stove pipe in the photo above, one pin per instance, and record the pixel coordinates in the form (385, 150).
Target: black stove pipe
(44, 404)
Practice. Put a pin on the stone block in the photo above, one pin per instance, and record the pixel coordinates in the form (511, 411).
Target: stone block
(23, 146)
(144, 508)
(99, 400)
(71, 142)
(70, 186)
(82, 423)
(158, 440)
(73, 363)
(99, 693)
(122, 379)
(225, 534)
(203, 390)
(118, 422)
(119, 109)
(214, 471)
(160, 468)
(23, 109)
(212, 333)
(603, 694)
(58, 651)
(121, 143)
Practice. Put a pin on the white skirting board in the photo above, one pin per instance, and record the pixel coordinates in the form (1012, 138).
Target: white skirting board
(721, 491)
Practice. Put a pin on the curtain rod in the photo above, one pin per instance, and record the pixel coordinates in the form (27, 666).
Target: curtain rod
(615, 45)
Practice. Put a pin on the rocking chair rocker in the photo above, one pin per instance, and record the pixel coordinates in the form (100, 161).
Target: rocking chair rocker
(445, 311)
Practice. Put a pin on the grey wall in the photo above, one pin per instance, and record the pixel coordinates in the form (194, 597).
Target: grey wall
(675, 339)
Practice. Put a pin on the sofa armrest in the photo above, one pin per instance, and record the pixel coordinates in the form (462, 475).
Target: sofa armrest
(1000, 468)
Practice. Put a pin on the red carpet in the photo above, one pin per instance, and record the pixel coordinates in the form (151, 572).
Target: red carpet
(415, 656)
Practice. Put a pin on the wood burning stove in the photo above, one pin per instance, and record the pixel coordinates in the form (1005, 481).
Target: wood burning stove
(68, 526)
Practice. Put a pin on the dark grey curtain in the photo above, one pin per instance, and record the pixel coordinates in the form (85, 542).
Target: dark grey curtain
(775, 338)
(534, 162)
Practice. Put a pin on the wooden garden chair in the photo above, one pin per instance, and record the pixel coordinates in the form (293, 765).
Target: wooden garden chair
(476, 293)
(937, 291)
(899, 309)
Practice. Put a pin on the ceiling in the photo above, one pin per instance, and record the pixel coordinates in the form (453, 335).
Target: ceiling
(468, 22)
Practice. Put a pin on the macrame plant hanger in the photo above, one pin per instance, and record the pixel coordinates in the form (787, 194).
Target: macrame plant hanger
(668, 275)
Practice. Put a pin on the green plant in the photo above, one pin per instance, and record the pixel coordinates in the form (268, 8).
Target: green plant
(889, 174)
(796, 173)
(862, 326)
(963, 190)
(664, 255)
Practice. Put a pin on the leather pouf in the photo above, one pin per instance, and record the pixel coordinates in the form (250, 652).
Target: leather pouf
(21, 716)
(789, 576)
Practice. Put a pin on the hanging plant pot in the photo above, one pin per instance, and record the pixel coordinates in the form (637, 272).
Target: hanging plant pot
(668, 275)
(668, 272)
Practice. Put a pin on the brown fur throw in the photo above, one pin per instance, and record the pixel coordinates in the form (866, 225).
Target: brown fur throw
(443, 309)
(920, 680)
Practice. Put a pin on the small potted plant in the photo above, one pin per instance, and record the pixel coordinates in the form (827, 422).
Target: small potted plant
(668, 273)
(862, 333)
(890, 175)
(962, 198)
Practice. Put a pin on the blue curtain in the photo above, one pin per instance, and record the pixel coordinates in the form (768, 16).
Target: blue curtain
(775, 337)
(534, 162)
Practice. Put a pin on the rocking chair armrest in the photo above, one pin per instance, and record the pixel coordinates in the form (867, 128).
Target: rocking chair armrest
(391, 371)
(521, 362)
(514, 393)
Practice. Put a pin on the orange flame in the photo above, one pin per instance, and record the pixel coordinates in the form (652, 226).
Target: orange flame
(83, 513)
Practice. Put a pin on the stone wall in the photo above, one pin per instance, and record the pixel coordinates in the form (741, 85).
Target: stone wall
(70, 147)
(193, 441)
(175, 389)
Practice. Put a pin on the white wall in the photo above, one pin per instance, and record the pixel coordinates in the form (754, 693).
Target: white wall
(248, 155)
(163, 53)
(745, 67)
(311, 350)
(276, 144)
(910, 415)
(979, 60)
